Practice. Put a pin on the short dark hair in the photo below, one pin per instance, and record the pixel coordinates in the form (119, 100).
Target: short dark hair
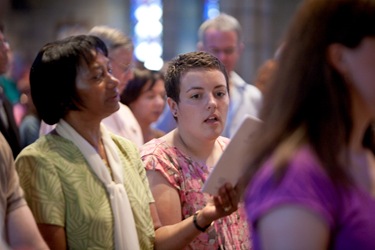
(54, 71)
(187, 62)
(134, 87)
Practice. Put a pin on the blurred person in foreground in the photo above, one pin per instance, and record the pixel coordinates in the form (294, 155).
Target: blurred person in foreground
(179, 163)
(18, 229)
(313, 157)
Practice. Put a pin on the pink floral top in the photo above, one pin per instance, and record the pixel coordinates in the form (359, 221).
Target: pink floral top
(188, 177)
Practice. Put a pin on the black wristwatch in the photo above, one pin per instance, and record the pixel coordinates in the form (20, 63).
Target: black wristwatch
(202, 229)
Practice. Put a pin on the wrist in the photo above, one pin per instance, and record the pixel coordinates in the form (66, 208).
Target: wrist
(199, 222)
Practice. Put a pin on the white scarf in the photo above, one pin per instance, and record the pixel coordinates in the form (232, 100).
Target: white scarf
(125, 230)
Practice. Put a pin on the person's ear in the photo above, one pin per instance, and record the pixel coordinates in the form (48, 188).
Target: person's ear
(336, 57)
(200, 46)
(172, 106)
(241, 47)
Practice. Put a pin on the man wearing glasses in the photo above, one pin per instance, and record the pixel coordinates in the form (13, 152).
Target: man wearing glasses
(221, 36)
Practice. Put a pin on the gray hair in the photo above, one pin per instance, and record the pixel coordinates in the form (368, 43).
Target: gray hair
(222, 22)
(113, 38)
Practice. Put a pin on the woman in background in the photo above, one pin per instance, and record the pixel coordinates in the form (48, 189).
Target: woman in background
(30, 124)
(315, 184)
(145, 96)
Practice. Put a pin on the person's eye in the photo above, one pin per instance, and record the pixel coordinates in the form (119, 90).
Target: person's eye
(229, 51)
(110, 70)
(150, 96)
(195, 96)
(221, 93)
(215, 51)
(98, 76)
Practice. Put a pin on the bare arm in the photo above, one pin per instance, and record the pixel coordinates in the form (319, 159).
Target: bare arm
(22, 231)
(292, 228)
(54, 236)
(171, 231)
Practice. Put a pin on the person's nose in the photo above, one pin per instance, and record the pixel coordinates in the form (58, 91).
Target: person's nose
(130, 74)
(212, 102)
(221, 55)
(113, 81)
(160, 101)
(7, 46)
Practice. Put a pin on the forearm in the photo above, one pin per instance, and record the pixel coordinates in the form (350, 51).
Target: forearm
(179, 235)
(171, 231)
(22, 230)
(54, 236)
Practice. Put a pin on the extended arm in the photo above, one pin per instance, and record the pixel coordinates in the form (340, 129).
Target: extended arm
(172, 232)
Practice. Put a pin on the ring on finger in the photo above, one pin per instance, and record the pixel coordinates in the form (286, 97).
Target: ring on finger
(226, 209)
